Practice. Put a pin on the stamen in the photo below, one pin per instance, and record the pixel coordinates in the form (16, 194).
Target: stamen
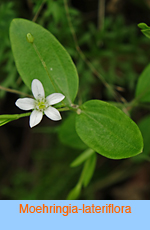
(41, 105)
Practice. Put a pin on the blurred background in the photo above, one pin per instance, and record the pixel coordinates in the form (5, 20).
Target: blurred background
(35, 163)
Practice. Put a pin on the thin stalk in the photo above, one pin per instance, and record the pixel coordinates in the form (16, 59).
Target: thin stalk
(64, 109)
(38, 12)
(14, 116)
(125, 170)
(101, 14)
(14, 91)
(115, 94)
(24, 115)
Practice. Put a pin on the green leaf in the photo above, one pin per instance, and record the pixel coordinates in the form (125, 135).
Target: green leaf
(144, 126)
(75, 192)
(89, 169)
(108, 131)
(82, 157)
(85, 177)
(4, 119)
(38, 55)
(143, 86)
(143, 26)
(68, 134)
(145, 29)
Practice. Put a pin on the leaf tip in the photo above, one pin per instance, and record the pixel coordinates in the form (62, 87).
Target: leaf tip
(142, 25)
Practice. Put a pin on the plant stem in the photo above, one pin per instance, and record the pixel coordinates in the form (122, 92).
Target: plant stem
(24, 115)
(101, 14)
(64, 109)
(116, 95)
(14, 91)
(123, 171)
(38, 12)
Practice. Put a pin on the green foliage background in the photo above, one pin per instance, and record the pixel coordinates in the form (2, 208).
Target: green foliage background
(35, 164)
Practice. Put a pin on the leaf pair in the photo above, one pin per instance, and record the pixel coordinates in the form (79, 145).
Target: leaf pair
(101, 126)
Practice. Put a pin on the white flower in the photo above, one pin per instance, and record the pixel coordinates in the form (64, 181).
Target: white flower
(40, 104)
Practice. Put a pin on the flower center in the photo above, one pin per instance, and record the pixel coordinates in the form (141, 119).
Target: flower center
(41, 105)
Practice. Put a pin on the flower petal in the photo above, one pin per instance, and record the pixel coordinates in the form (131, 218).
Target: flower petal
(37, 89)
(35, 118)
(53, 114)
(25, 103)
(54, 98)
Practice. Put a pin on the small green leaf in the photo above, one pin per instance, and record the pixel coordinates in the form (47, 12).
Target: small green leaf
(108, 131)
(143, 86)
(39, 55)
(85, 177)
(68, 135)
(143, 26)
(146, 32)
(75, 192)
(89, 169)
(4, 119)
(82, 157)
(145, 29)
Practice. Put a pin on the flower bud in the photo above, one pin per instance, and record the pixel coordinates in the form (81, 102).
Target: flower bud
(30, 38)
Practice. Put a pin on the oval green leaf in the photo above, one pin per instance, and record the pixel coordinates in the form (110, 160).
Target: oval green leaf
(143, 86)
(38, 55)
(108, 131)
